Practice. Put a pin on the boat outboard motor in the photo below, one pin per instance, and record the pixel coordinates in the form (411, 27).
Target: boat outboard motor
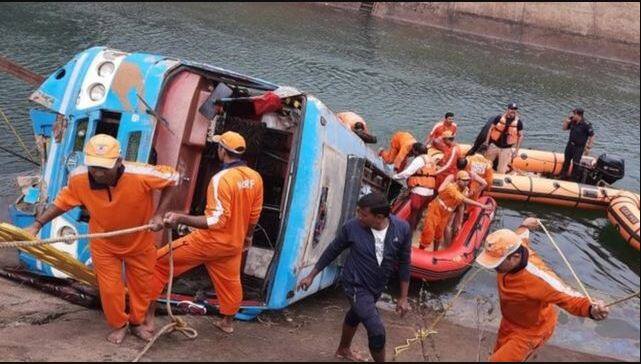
(607, 168)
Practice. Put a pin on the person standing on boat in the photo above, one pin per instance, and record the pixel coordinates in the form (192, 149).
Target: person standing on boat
(401, 146)
(377, 242)
(528, 290)
(506, 133)
(234, 204)
(457, 217)
(118, 195)
(447, 124)
(451, 152)
(439, 211)
(579, 143)
(477, 164)
(421, 179)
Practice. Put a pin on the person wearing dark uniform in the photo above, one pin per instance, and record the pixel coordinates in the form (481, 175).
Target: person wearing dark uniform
(580, 142)
(377, 242)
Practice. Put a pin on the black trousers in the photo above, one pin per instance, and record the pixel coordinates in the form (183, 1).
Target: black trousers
(573, 153)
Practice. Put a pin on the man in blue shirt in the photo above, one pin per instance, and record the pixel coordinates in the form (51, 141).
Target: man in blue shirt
(377, 242)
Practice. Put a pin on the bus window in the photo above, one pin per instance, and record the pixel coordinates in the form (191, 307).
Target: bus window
(81, 133)
(132, 146)
(108, 123)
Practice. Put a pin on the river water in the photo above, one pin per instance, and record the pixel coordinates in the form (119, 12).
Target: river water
(397, 76)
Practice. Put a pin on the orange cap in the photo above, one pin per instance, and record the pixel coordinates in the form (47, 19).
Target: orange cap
(447, 134)
(498, 246)
(463, 175)
(102, 150)
(231, 141)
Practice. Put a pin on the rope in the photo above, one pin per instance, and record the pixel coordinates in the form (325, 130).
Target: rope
(623, 299)
(13, 130)
(585, 291)
(177, 323)
(31, 243)
(423, 333)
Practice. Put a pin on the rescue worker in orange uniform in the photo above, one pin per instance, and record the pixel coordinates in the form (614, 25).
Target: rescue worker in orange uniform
(118, 195)
(356, 124)
(451, 154)
(477, 164)
(440, 210)
(234, 203)
(456, 220)
(421, 179)
(400, 148)
(505, 133)
(528, 290)
(447, 124)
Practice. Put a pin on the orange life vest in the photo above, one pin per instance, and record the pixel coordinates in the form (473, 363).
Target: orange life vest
(424, 177)
(512, 131)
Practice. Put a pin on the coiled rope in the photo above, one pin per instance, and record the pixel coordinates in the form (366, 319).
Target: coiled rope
(423, 333)
(177, 323)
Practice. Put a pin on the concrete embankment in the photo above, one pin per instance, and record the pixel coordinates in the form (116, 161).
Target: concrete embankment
(597, 29)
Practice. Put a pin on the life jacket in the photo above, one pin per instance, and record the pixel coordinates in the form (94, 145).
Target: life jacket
(512, 130)
(424, 177)
(477, 164)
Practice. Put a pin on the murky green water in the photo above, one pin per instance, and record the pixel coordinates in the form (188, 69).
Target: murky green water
(398, 77)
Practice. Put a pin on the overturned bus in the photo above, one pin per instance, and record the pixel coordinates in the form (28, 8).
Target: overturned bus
(160, 109)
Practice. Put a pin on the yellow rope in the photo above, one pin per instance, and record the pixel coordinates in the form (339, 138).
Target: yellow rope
(38, 242)
(585, 291)
(177, 323)
(423, 333)
(623, 299)
(15, 132)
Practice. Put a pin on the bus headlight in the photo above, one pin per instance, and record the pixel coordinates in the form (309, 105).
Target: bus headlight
(106, 69)
(97, 91)
(67, 231)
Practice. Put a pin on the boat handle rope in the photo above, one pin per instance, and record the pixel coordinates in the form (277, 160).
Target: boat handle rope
(422, 333)
(71, 238)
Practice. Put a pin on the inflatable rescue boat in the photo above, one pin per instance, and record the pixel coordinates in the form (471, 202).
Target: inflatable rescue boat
(454, 260)
(533, 180)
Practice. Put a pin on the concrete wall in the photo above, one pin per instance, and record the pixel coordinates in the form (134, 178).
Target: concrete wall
(605, 30)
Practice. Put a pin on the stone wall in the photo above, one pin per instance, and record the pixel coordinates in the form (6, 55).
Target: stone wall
(605, 30)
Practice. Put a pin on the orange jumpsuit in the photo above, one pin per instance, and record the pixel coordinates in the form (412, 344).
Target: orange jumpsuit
(234, 201)
(478, 164)
(127, 204)
(447, 154)
(400, 146)
(440, 128)
(439, 212)
(529, 318)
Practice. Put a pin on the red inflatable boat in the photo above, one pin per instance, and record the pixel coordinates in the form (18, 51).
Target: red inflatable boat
(458, 257)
